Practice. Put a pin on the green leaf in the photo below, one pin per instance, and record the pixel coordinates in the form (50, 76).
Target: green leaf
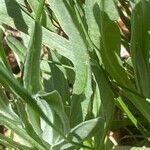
(40, 10)
(96, 99)
(32, 77)
(75, 50)
(55, 103)
(58, 80)
(7, 12)
(110, 9)
(8, 80)
(85, 104)
(5, 108)
(33, 5)
(22, 133)
(106, 110)
(86, 129)
(76, 114)
(31, 129)
(68, 20)
(80, 103)
(81, 132)
(93, 28)
(110, 45)
(45, 20)
(34, 119)
(64, 13)
(32, 81)
(140, 47)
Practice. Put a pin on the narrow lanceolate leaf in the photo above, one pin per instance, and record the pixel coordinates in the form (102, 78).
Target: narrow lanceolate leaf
(91, 9)
(69, 23)
(85, 104)
(32, 63)
(32, 78)
(110, 46)
(106, 110)
(140, 47)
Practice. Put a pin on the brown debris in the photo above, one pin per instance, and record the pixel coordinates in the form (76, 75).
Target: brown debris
(9, 53)
(123, 27)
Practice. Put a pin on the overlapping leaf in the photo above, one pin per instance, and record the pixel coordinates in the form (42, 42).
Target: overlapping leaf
(140, 48)
(110, 46)
(75, 50)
